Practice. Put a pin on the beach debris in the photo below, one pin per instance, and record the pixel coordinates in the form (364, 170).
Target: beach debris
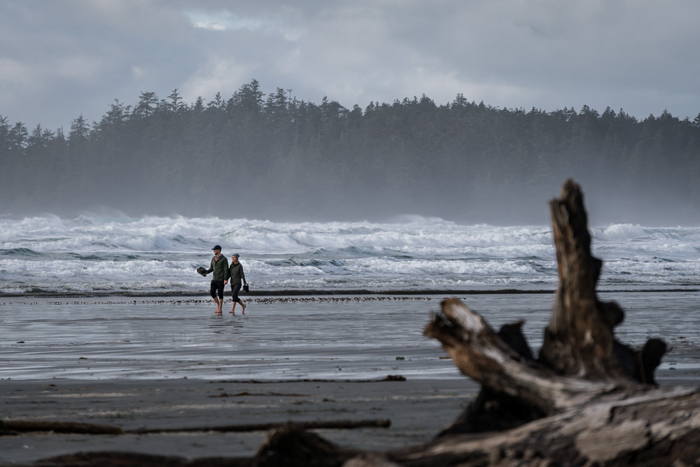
(270, 393)
(290, 447)
(394, 378)
(4, 431)
(311, 425)
(14, 427)
(130, 459)
(24, 426)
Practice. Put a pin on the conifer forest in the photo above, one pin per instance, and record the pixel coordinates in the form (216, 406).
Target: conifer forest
(273, 156)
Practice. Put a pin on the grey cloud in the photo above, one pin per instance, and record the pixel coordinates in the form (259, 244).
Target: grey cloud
(61, 59)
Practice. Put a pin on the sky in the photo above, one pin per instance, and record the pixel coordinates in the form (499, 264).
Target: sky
(63, 58)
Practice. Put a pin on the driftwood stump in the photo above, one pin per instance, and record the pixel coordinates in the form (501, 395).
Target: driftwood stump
(579, 341)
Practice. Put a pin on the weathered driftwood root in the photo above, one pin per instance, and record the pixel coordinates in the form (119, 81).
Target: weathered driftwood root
(578, 342)
(480, 354)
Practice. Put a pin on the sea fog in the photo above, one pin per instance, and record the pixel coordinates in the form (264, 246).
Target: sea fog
(90, 255)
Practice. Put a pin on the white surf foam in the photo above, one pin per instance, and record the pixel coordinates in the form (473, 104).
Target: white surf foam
(160, 254)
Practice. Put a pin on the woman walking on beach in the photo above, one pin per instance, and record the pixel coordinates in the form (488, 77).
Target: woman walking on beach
(237, 275)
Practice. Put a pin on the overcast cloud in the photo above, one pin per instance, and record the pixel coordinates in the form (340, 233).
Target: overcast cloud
(63, 58)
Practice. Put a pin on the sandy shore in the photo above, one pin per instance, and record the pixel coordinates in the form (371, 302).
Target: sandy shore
(417, 410)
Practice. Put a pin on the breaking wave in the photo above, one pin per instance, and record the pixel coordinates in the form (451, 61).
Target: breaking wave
(149, 255)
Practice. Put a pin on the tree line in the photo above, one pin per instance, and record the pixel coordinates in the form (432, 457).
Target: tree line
(274, 156)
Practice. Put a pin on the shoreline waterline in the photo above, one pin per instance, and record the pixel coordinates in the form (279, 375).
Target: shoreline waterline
(340, 292)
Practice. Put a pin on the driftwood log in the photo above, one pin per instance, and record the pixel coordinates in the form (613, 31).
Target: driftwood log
(15, 427)
(585, 400)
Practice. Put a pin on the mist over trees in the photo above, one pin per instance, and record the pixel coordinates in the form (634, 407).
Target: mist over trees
(273, 156)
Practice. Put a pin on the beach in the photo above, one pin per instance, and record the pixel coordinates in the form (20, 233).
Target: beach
(169, 362)
(417, 410)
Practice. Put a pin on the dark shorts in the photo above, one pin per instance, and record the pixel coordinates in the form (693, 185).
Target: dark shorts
(235, 288)
(217, 288)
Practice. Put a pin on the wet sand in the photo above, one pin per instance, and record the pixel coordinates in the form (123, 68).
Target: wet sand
(279, 339)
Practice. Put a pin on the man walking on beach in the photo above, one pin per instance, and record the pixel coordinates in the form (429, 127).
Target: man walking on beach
(219, 266)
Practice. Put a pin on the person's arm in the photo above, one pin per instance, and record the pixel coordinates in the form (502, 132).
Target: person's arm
(227, 274)
(243, 276)
(211, 267)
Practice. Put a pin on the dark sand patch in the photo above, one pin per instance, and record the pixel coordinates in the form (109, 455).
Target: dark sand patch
(417, 409)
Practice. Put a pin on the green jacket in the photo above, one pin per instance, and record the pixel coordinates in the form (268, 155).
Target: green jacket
(236, 274)
(220, 269)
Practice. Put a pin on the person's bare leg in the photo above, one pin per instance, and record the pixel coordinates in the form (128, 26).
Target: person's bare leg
(233, 308)
(243, 307)
(219, 304)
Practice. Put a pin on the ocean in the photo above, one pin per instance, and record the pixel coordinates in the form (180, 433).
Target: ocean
(92, 255)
